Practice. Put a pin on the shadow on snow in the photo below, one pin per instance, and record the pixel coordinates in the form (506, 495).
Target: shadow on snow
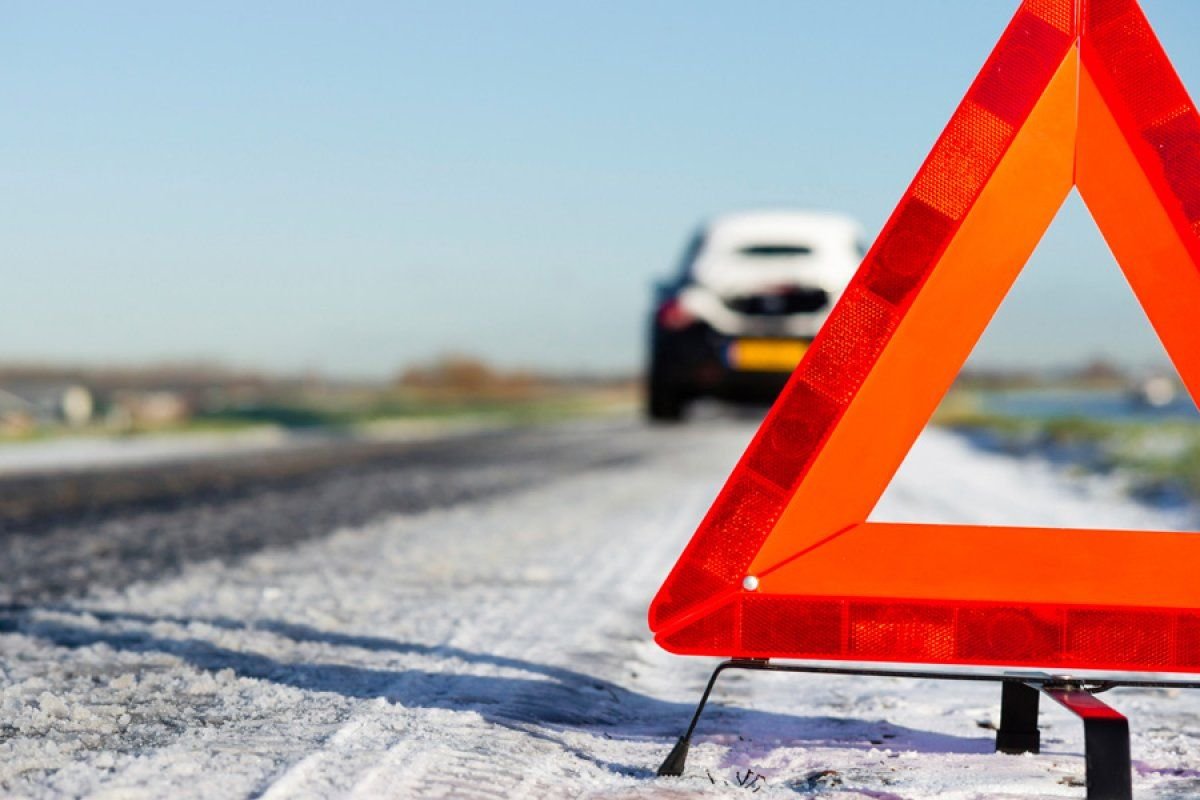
(546, 698)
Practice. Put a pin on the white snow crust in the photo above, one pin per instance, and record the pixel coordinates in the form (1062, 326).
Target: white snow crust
(499, 649)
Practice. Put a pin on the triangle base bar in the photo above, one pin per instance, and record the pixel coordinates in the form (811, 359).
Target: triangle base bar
(1053, 637)
(966, 595)
(1106, 731)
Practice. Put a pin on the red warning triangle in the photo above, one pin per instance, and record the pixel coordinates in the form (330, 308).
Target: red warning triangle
(1077, 93)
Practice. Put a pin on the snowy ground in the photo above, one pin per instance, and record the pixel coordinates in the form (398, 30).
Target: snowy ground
(497, 647)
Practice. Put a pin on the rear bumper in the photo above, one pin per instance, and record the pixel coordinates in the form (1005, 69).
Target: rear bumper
(695, 362)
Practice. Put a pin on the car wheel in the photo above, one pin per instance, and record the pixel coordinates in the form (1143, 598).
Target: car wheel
(664, 403)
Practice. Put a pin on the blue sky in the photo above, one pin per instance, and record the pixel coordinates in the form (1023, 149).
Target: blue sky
(352, 187)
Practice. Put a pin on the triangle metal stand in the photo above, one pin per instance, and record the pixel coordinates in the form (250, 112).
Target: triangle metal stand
(1106, 732)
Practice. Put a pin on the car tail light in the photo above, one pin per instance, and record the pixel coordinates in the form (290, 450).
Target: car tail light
(673, 316)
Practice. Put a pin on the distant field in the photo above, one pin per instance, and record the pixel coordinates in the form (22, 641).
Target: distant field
(370, 411)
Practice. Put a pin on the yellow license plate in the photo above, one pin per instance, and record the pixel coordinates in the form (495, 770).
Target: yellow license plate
(766, 355)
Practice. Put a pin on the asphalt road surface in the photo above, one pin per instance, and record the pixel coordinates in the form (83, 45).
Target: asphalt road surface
(466, 618)
(62, 534)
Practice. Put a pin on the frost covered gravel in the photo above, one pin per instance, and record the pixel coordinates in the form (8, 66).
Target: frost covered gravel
(498, 647)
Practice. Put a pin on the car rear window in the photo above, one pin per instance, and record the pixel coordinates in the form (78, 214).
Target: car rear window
(776, 250)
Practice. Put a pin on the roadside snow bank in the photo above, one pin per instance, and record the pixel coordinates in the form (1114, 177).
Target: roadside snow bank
(947, 479)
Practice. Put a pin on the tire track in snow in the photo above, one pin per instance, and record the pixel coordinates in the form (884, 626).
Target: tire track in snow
(578, 579)
(511, 754)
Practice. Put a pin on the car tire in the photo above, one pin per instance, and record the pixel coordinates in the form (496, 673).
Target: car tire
(664, 403)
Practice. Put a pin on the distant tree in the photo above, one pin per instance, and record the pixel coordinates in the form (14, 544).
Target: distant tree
(465, 375)
(1100, 371)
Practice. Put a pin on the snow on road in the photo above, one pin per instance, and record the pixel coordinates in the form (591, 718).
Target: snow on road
(82, 452)
(498, 648)
(89, 452)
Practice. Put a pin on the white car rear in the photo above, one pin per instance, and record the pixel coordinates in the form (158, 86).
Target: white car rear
(772, 272)
(753, 291)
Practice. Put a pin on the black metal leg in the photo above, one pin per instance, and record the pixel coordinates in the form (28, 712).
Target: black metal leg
(1018, 732)
(677, 759)
(1106, 742)
(1106, 732)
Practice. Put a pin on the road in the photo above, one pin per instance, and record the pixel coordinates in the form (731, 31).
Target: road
(466, 618)
(62, 534)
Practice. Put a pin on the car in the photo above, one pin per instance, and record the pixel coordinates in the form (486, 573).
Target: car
(750, 295)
